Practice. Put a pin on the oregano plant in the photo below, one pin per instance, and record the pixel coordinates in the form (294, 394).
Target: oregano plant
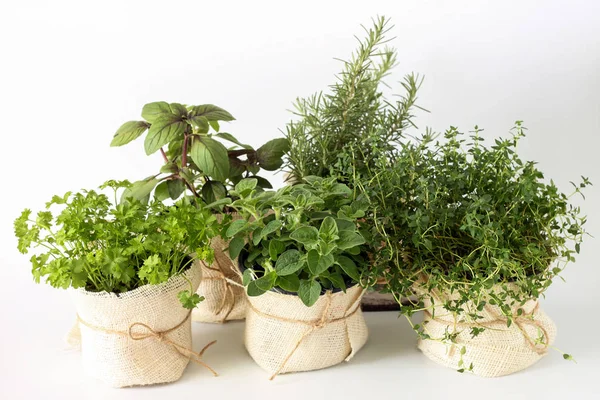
(301, 239)
(86, 240)
(195, 157)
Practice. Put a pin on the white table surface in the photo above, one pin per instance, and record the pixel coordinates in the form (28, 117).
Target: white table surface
(36, 364)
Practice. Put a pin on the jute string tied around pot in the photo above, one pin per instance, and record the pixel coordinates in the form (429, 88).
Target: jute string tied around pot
(139, 337)
(224, 301)
(160, 336)
(498, 350)
(309, 338)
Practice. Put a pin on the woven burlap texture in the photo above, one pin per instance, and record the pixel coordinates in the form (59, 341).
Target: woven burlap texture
(223, 301)
(283, 335)
(119, 344)
(497, 351)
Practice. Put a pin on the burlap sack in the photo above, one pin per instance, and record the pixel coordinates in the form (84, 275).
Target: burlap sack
(224, 301)
(283, 335)
(140, 337)
(499, 350)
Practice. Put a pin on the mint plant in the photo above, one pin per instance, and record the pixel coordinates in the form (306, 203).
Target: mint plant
(301, 239)
(94, 244)
(458, 216)
(195, 159)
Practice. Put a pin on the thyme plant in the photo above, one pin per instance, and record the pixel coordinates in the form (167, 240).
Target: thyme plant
(458, 216)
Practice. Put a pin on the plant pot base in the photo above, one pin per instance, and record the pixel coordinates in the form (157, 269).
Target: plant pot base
(283, 335)
(497, 351)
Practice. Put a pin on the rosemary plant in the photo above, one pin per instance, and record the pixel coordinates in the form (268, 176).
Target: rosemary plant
(330, 128)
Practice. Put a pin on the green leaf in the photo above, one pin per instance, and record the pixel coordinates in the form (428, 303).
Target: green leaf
(245, 186)
(129, 131)
(176, 188)
(232, 139)
(325, 261)
(246, 277)
(312, 259)
(235, 247)
(213, 191)
(270, 228)
(178, 109)
(151, 111)
(218, 203)
(270, 155)
(211, 113)
(267, 281)
(291, 283)
(345, 225)
(309, 292)
(169, 168)
(189, 300)
(328, 229)
(254, 290)
(349, 267)
(140, 190)
(276, 247)
(349, 239)
(289, 262)
(307, 235)
(262, 182)
(164, 129)
(236, 227)
(162, 191)
(211, 157)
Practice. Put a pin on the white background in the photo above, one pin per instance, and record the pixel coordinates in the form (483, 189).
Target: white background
(72, 72)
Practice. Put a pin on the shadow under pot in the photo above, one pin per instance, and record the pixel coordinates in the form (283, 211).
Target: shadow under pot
(139, 337)
(283, 335)
(499, 349)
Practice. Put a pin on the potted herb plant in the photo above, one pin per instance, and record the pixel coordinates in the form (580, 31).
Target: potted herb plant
(343, 132)
(130, 274)
(302, 258)
(198, 164)
(477, 235)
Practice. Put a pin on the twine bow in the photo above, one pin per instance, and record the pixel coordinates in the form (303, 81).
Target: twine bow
(159, 336)
(313, 324)
(520, 321)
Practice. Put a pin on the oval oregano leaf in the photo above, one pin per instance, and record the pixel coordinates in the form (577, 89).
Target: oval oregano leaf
(267, 281)
(276, 247)
(235, 247)
(291, 283)
(289, 262)
(349, 267)
(349, 239)
(307, 235)
(211, 157)
(129, 131)
(309, 292)
(236, 227)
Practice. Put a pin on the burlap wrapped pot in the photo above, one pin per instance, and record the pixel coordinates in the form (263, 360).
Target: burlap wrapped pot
(283, 335)
(499, 350)
(140, 337)
(224, 301)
